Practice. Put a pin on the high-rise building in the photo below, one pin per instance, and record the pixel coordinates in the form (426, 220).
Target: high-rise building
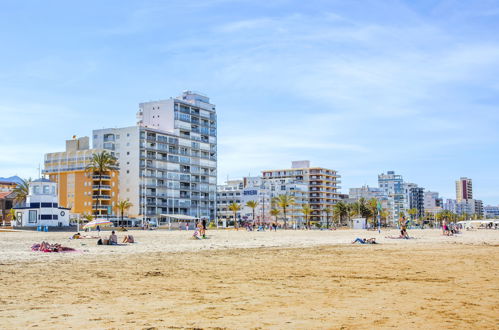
(464, 189)
(469, 207)
(393, 186)
(432, 202)
(79, 190)
(414, 198)
(169, 160)
(316, 186)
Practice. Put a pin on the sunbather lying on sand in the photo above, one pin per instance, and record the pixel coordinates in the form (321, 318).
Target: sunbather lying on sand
(47, 247)
(365, 241)
(399, 237)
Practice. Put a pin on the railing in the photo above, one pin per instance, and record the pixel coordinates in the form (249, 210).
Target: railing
(101, 177)
(103, 187)
(107, 197)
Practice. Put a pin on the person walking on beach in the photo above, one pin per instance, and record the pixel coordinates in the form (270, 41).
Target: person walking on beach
(203, 232)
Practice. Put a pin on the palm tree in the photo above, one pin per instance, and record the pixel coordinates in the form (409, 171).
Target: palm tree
(122, 207)
(275, 213)
(373, 208)
(328, 210)
(252, 205)
(384, 214)
(21, 191)
(412, 213)
(234, 207)
(99, 164)
(340, 211)
(284, 202)
(306, 210)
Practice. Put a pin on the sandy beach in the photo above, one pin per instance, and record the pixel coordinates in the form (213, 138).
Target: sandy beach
(284, 279)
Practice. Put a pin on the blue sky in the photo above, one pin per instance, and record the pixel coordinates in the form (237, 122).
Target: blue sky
(359, 86)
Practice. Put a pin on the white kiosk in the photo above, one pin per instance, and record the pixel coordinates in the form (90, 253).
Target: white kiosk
(42, 207)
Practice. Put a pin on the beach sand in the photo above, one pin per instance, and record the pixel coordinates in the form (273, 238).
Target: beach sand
(288, 279)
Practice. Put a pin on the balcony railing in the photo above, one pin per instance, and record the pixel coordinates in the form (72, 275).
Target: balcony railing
(103, 177)
(106, 197)
(102, 187)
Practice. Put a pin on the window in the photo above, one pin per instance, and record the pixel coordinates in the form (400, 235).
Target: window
(128, 153)
(127, 134)
(46, 189)
(127, 171)
(32, 218)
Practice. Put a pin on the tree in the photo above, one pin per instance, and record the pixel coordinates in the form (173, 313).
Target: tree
(252, 205)
(340, 211)
(21, 191)
(99, 164)
(275, 213)
(412, 213)
(372, 204)
(306, 210)
(284, 202)
(384, 214)
(328, 210)
(122, 207)
(234, 207)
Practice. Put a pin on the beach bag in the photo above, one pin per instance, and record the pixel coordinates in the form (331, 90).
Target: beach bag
(99, 242)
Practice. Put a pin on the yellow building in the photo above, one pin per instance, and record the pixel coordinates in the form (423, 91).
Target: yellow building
(78, 189)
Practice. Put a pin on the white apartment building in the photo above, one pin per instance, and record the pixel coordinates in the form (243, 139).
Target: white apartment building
(432, 202)
(168, 161)
(393, 186)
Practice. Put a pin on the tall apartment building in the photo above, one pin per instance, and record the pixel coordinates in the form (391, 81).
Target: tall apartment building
(317, 187)
(432, 202)
(169, 159)
(414, 198)
(464, 189)
(78, 190)
(393, 186)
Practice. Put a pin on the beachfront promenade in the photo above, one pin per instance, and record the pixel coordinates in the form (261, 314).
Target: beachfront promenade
(292, 279)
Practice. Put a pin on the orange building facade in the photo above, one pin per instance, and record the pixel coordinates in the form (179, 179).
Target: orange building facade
(78, 189)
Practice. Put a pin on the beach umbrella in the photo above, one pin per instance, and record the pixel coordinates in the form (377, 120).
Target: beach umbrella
(97, 222)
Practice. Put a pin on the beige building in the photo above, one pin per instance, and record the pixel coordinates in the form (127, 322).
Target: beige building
(464, 189)
(79, 190)
(316, 186)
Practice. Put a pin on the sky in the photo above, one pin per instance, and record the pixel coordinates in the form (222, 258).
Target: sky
(362, 87)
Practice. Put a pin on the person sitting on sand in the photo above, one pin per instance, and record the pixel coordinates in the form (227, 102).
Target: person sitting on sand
(128, 239)
(76, 236)
(196, 234)
(113, 239)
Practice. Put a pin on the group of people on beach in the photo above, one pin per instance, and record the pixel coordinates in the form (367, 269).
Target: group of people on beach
(113, 239)
(199, 230)
(449, 229)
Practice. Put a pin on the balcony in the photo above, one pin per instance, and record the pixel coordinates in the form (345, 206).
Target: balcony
(103, 177)
(100, 207)
(102, 187)
(101, 197)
